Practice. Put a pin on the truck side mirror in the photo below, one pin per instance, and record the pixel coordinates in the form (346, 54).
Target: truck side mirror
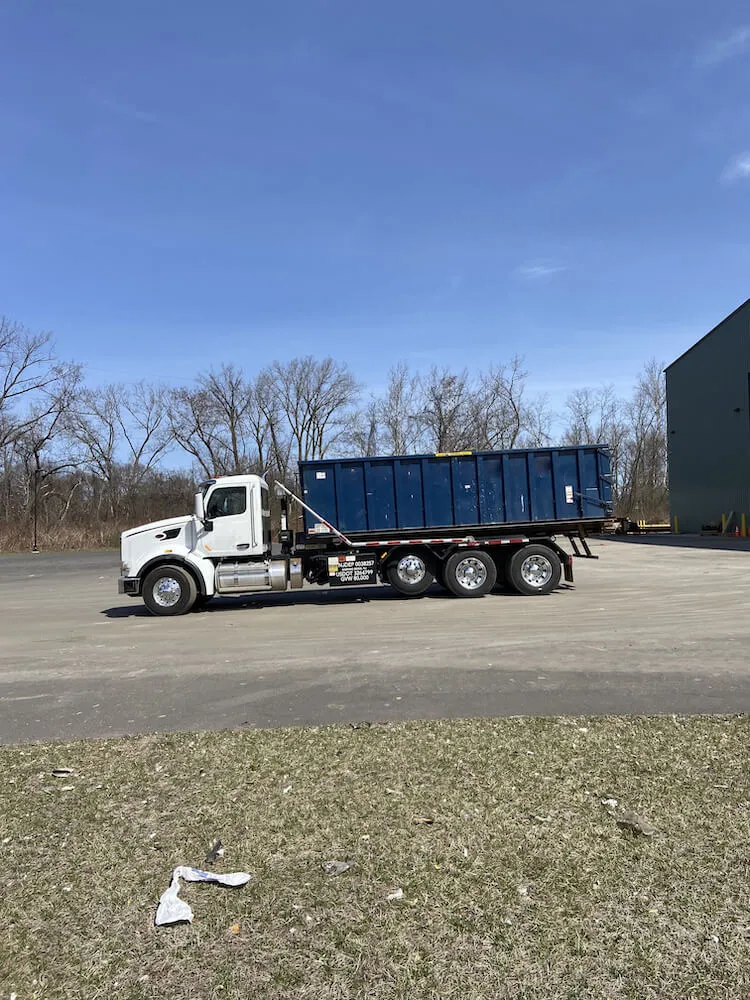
(200, 513)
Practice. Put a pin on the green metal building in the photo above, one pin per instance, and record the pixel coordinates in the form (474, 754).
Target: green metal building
(708, 426)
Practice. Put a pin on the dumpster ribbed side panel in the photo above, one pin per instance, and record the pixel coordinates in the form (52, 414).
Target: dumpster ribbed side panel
(541, 485)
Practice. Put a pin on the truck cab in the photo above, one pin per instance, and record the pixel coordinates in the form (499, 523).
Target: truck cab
(224, 546)
(233, 517)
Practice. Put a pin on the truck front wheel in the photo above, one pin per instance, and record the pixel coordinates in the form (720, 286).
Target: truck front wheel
(534, 569)
(470, 573)
(169, 590)
(409, 574)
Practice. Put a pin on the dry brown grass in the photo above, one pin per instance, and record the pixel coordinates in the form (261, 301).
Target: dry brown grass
(524, 886)
(65, 538)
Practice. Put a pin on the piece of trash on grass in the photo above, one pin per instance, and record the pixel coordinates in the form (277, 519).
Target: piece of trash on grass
(173, 910)
(636, 824)
(336, 867)
(423, 820)
(609, 803)
(215, 850)
(392, 791)
(360, 725)
(67, 788)
(541, 819)
(62, 772)
(235, 928)
(396, 894)
(523, 890)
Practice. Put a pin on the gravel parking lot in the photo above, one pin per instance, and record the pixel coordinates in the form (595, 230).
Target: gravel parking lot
(655, 626)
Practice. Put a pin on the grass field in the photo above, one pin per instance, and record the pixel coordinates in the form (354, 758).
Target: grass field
(523, 886)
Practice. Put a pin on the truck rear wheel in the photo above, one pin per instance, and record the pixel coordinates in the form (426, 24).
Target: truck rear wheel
(410, 574)
(534, 569)
(169, 590)
(470, 573)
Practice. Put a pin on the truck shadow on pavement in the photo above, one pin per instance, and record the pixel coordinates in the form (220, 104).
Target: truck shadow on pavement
(322, 597)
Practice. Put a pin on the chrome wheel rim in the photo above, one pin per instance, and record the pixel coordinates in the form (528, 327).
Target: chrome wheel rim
(471, 573)
(167, 592)
(411, 569)
(536, 571)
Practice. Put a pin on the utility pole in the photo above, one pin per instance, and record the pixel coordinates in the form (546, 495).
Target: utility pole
(37, 470)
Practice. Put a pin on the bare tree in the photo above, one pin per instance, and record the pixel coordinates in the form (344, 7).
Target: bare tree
(365, 430)
(269, 427)
(644, 490)
(501, 416)
(121, 434)
(445, 417)
(538, 420)
(30, 374)
(635, 431)
(592, 414)
(316, 399)
(213, 422)
(398, 412)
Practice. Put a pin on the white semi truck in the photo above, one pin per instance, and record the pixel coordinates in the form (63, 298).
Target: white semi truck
(225, 545)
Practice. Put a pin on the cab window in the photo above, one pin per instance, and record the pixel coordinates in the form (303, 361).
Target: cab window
(227, 500)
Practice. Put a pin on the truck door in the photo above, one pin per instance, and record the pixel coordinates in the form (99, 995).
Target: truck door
(230, 510)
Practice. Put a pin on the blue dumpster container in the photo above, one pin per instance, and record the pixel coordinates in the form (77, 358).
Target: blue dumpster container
(537, 487)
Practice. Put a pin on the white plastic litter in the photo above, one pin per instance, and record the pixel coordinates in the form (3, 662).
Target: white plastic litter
(173, 910)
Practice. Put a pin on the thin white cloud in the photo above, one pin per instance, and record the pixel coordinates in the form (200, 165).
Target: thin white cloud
(720, 50)
(538, 270)
(122, 109)
(738, 168)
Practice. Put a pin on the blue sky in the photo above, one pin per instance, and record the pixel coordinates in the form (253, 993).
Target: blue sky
(183, 184)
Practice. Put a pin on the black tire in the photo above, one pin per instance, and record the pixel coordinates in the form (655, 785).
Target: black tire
(534, 570)
(440, 575)
(470, 573)
(169, 590)
(410, 563)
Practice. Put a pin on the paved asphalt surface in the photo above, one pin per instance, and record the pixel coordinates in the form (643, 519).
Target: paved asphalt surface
(655, 626)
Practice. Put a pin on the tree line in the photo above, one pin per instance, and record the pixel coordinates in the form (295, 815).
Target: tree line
(95, 460)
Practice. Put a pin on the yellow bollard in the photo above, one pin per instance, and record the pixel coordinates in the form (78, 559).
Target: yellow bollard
(723, 524)
(676, 525)
(743, 526)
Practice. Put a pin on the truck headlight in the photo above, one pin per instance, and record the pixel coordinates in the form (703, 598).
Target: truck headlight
(124, 569)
